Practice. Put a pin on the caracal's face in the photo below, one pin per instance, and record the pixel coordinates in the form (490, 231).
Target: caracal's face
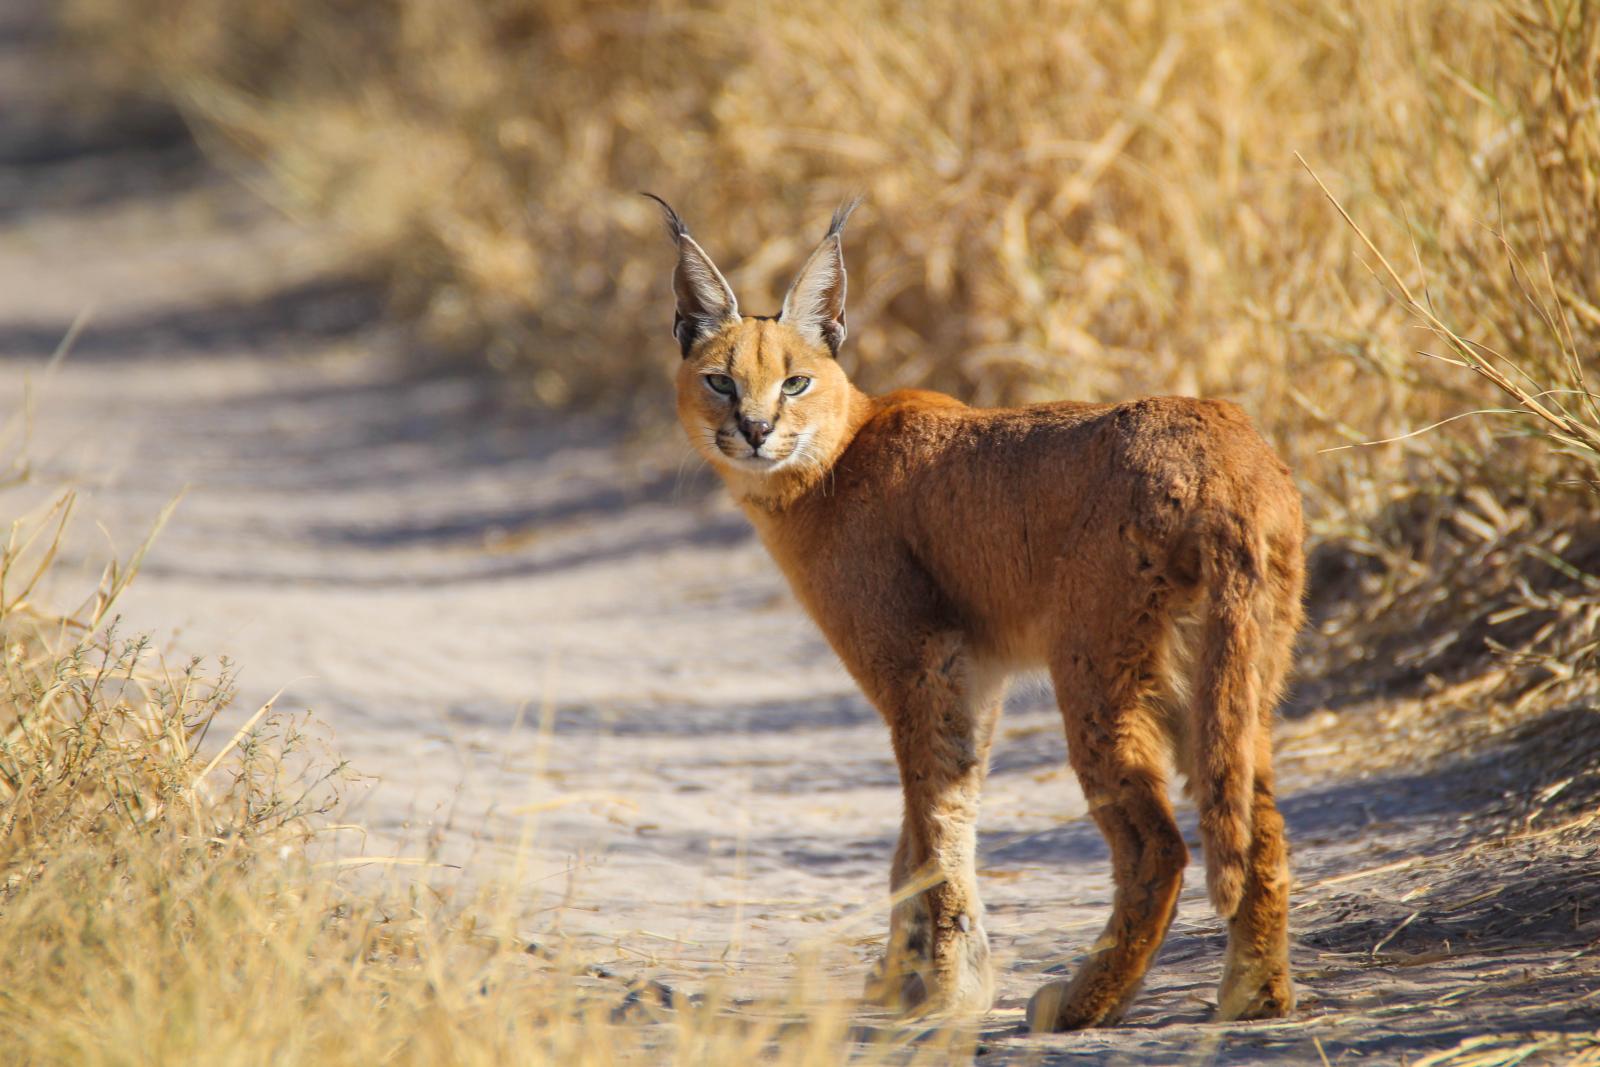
(755, 397)
(760, 396)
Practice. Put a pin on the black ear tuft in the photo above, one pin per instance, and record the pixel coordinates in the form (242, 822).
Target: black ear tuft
(675, 224)
(814, 305)
(840, 216)
(705, 303)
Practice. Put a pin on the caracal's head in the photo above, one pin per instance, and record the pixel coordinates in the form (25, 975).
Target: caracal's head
(762, 395)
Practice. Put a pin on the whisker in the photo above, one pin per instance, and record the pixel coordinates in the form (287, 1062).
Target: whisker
(690, 452)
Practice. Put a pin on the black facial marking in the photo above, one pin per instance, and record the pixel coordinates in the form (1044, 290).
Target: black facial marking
(683, 330)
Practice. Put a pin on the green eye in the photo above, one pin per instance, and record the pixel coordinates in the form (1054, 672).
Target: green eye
(720, 384)
(796, 385)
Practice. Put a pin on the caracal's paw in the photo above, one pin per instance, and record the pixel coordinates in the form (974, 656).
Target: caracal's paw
(1259, 989)
(963, 975)
(960, 981)
(1059, 1006)
(970, 994)
(895, 986)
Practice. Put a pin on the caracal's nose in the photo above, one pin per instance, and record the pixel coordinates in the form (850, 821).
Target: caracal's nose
(755, 430)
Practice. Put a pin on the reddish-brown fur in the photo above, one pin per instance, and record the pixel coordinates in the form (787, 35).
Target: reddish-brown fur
(1148, 554)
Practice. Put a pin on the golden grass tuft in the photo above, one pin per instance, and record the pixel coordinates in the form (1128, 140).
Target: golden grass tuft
(1508, 1050)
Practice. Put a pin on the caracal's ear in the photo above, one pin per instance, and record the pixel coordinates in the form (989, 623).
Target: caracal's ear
(705, 302)
(815, 303)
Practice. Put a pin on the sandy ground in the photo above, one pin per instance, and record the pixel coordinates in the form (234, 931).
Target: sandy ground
(493, 608)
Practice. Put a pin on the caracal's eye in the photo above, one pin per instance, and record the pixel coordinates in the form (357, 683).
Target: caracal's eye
(720, 384)
(796, 385)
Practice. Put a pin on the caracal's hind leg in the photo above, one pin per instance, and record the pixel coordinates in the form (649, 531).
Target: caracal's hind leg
(941, 709)
(1255, 974)
(1118, 751)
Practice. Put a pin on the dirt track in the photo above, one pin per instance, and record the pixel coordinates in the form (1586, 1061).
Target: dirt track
(493, 607)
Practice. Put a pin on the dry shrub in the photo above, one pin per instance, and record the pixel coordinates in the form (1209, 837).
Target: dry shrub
(124, 856)
(98, 737)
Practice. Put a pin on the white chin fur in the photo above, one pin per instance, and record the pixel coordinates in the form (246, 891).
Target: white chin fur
(764, 464)
(748, 464)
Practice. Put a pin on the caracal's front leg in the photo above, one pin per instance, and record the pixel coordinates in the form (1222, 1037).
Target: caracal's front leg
(941, 708)
(896, 980)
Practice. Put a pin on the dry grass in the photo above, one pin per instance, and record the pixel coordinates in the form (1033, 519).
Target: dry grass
(1503, 1050)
